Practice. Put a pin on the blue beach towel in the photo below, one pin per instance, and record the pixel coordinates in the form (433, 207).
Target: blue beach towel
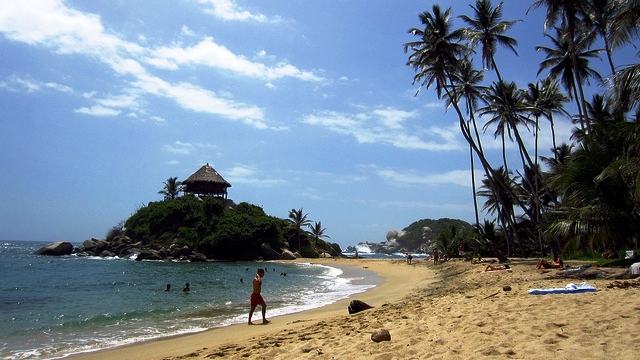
(569, 289)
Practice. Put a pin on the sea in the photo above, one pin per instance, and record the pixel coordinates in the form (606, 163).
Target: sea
(55, 306)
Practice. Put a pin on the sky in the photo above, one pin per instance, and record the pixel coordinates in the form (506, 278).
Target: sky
(298, 104)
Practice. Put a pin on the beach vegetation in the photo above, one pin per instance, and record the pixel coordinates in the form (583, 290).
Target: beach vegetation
(586, 195)
(299, 220)
(116, 230)
(235, 232)
(172, 188)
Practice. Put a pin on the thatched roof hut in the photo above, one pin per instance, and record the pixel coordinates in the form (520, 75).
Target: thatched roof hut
(206, 182)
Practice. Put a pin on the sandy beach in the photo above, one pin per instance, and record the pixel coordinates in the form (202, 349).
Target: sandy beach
(449, 311)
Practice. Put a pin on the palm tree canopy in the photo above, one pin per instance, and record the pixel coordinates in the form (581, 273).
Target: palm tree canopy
(298, 219)
(560, 61)
(436, 55)
(172, 188)
(318, 231)
(486, 28)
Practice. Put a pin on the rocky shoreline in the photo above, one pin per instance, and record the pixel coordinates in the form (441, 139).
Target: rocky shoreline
(126, 248)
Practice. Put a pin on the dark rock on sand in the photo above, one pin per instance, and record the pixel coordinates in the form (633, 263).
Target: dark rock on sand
(356, 306)
(381, 335)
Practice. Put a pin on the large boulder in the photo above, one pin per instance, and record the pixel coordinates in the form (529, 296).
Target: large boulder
(57, 248)
(89, 245)
(176, 251)
(268, 252)
(148, 255)
(356, 306)
(197, 257)
(392, 234)
(287, 255)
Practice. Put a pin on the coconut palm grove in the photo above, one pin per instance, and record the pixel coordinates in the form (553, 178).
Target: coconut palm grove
(586, 195)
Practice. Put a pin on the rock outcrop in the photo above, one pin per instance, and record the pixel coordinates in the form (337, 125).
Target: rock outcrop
(57, 248)
(123, 247)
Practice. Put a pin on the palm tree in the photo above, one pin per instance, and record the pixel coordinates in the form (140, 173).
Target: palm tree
(318, 231)
(627, 91)
(467, 84)
(489, 237)
(500, 201)
(505, 104)
(436, 55)
(626, 23)
(571, 13)
(551, 102)
(560, 62)
(600, 15)
(172, 188)
(298, 220)
(487, 29)
(437, 58)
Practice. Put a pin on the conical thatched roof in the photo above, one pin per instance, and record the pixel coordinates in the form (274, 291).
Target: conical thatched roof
(207, 174)
(206, 181)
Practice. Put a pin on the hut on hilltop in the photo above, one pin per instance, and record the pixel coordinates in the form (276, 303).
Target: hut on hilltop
(206, 182)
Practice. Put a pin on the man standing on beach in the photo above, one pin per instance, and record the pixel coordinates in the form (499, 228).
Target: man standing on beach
(256, 298)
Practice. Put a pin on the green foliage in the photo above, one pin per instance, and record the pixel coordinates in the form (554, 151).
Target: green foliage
(308, 251)
(413, 238)
(234, 233)
(117, 230)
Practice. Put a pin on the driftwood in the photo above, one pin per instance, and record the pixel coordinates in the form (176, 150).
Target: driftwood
(587, 272)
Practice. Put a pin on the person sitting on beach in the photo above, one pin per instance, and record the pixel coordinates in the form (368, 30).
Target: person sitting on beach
(497, 268)
(556, 263)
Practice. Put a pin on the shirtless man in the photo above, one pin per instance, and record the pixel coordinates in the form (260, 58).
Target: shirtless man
(256, 298)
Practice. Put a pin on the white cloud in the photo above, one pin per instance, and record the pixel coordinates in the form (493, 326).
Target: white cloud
(179, 148)
(250, 176)
(98, 110)
(209, 53)
(185, 148)
(119, 101)
(17, 83)
(411, 177)
(386, 126)
(186, 31)
(201, 100)
(229, 10)
(50, 23)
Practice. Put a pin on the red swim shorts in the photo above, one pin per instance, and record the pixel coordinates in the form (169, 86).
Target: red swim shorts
(256, 299)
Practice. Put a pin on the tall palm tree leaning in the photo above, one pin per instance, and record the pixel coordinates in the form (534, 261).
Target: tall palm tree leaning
(298, 220)
(436, 57)
(468, 85)
(486, 28)
(318, 231)
(172, 188)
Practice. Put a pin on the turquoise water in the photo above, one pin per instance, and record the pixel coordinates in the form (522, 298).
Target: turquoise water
(54, 306)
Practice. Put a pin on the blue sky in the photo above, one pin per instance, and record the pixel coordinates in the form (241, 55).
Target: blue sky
(298, 104)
